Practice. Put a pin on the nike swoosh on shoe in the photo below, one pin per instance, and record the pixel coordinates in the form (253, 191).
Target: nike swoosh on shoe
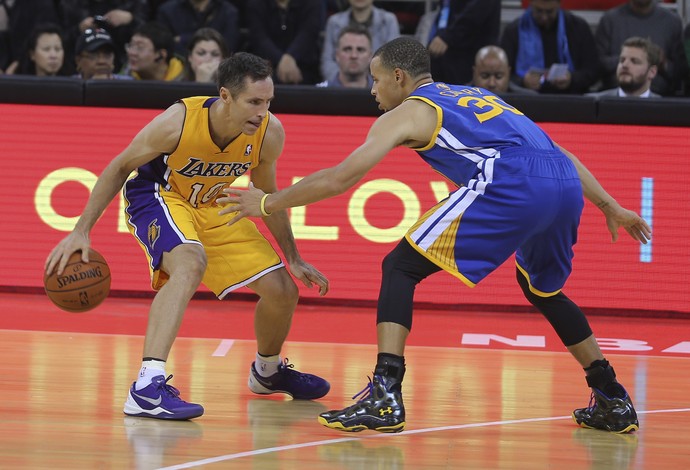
(155, 402)
(263, 380)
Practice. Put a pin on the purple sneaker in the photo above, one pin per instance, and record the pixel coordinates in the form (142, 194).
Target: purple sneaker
(287, 380)
(160, 400)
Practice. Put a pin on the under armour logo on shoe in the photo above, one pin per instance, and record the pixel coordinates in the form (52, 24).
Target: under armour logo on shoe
(263, 367)
(142, 372)
(385, 411)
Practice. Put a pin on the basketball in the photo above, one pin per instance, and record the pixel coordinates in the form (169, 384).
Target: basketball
(81, 286)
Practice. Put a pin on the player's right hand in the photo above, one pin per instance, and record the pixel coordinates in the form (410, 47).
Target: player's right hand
(75, 241)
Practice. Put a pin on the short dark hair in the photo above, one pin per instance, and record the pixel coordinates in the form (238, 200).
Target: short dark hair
(160, 36)
(233, 70)
(406, 54)
(653, 51)
(354, 28)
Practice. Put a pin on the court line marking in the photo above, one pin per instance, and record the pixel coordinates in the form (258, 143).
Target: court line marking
(250, 453)
(223, 348)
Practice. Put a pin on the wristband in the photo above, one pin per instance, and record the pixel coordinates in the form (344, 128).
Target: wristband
(262, 206)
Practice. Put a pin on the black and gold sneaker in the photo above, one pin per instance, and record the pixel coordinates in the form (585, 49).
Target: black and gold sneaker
(613, 414)
(380, 408)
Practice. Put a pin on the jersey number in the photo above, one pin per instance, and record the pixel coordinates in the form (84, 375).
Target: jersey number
(208, 195)
(491, 106)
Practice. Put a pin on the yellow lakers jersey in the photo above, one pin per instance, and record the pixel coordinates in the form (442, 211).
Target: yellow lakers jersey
(198, 169)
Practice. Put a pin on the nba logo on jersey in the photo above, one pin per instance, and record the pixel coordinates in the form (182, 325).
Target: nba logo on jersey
(248, 150)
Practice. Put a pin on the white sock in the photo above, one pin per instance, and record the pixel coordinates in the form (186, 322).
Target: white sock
(266, 366)
(149, 370)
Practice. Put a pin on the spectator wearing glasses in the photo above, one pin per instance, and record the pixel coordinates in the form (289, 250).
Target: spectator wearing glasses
(119, 17)
(150, 54)
(95, 56)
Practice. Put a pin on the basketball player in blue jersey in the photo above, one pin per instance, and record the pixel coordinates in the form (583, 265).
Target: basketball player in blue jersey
(183, 158)
(518, 192)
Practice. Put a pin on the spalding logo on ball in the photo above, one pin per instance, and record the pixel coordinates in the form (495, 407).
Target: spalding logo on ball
(81, 286)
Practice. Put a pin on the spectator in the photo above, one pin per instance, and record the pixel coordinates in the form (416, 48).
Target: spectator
(461, 28)
(424, 26)
(18, 18)
(643, 18)
(95, 56)
(150, 54)
(352, 55)
(119, 17)
(286, 32)
(44, 55)
(637, 66)
(491, 71)
(205, 50)
(546, 35)
(185, 17)
(382, 25)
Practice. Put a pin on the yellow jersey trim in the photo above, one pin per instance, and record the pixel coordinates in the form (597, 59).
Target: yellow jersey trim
(533, 289)
(439, 121)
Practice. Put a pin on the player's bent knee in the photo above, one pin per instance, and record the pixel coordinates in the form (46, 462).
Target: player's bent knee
(186, 261)
(277, 286)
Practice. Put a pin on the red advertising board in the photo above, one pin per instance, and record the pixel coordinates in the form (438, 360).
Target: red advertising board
(52, 156)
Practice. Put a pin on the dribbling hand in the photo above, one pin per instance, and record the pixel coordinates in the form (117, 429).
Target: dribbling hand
(75, 241)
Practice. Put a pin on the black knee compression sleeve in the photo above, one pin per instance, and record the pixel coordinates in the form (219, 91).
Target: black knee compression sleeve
(402, 269)
(565, 317)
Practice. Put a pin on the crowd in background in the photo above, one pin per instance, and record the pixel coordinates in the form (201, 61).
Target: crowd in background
(638, 47)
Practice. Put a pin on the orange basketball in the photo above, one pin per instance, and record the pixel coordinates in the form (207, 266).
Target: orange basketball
(81, 286)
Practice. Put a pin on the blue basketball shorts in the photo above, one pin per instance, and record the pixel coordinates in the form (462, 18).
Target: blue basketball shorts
(526, 202)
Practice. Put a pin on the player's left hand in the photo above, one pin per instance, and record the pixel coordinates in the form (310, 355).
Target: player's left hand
(635, 225)
(245, 202)
(309, 275)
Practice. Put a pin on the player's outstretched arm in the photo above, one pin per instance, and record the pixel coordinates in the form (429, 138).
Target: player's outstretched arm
(159, 136)
(410, 124)
(616, 215)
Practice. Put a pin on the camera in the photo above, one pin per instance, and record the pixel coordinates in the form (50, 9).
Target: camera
(101, 22)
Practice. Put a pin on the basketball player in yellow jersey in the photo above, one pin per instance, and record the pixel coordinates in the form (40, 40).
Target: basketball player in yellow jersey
(184, 157)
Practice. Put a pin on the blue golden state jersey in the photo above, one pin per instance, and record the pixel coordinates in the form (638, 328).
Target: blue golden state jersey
(473, 125)
(198, 169)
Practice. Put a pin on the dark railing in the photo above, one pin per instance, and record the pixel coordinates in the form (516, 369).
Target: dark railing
(296, 99)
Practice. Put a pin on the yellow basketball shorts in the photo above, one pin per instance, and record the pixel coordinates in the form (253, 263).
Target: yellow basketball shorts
(161, 220)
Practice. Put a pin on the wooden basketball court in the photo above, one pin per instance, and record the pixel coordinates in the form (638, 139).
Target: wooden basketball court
(65, 376)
